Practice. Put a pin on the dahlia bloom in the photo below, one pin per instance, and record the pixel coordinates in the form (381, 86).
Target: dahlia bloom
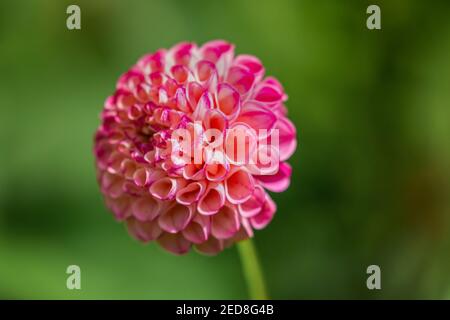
(171, 186)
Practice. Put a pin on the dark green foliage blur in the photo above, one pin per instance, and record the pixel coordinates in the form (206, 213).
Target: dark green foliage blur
(371, 176)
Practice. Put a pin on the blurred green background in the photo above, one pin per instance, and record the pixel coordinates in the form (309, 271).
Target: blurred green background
(371, 176)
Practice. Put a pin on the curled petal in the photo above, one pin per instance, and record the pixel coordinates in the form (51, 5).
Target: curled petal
(213, 199)
(252, 63)
(115, 163)
(279, 181)
(216, 171)
(274, 82)
(210, 247)
(213, 50)
(135, 112)
(239, 186)
(204, 104)
(198, 229)
(132, 189)
(240, 143)
(194, 91)
(180, 73)
(144, 177)
(268, 94)
(130, 79)
(141, 177)
(175, 219)
(215, 119)
(120, 207)
(191, 193)
(152, 62)
(225, 223)
(287, 138)
(219, 52)
(112, 185)
(145, 208)
(182, 52)
(174, 242)
(228, 100)
(241, 79)
(143, 231)
(181, 100)
(258, 117)
(265, 160)
(166, 188)
(254, 204)
(244, 232)
(205, 70)
(193, 172)
(262, 219)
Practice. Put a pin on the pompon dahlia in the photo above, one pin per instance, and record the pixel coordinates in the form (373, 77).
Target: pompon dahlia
(188, 144)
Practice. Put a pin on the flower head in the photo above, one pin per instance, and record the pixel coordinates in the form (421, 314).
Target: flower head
(189, 143)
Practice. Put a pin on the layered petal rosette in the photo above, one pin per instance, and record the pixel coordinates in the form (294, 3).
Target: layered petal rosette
(189, 144)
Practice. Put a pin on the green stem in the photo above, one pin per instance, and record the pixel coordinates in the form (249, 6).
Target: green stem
(252, 270)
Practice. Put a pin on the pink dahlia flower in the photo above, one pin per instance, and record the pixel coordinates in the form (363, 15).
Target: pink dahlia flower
(166, 155)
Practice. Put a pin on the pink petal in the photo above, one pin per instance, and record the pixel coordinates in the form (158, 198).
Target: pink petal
(265, 160)
(239, 186)
(215, 119)
(152, 62)
(210, 247)
(244, 232)
(115, 162)
(191, 193)
(194, 91)
(268, 94)
(241, 79)
(143, 231)
(180, 73)
(216, 166)
(213, 50)
(135, 112)
(252, 63)
(254, 204)
(165, 188)
(145, 208)
(182, 52)
(141, 177)
(225, 223)
(198, 229)
(213, 199)
(204, 104)
(175, 218)
(205, 70)
(219, 52)
(130, 79)
(112, 185)
(120, 207)
(279, 181)
(261, 220)
(216, 171)
(228, 100)
(287, 138)
(240, 143)
(257, 117)
(174, 243)
(274, 82)
(132, 189)
(181, 100)
(246, 229)
(193, 172)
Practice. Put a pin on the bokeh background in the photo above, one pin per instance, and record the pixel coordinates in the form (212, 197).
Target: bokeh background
(371, 176)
